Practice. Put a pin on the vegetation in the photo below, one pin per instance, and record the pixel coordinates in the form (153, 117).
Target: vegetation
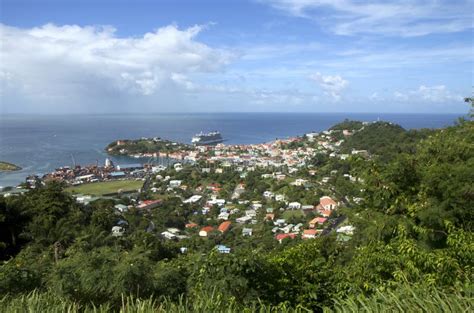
(107, 187)
(412, 248)
(5, 166)
(144, 145)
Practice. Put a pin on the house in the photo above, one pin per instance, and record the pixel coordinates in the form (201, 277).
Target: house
(224, 226)
(307, 208)
(193, 199)
(299, 182)
(178, 167)
(309, 234)
(204, 232)
(118, 231)
(294, 206)
(251, 213)
(268, 194)
(223, 249)
(223, 216)
(191, 225)
(148, 204)
(269, 217)
(347, 230)
(174, 183)
(168, 235)
(243, 219)
(279, 222)
(327, 203)
(287, 228)
(121, 208)
(279, 198)
(281, 237)
(317, 221)
(297, 227)
(256, 205)
(247, 232)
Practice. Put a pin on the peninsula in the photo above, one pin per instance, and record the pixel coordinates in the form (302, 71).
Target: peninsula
(8, 167)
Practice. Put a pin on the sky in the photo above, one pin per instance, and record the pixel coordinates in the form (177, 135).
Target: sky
(150, 56)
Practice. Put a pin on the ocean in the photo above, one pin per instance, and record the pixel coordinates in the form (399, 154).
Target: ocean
(39, 144)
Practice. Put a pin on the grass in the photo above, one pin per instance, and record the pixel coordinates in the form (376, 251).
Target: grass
(101, 188)
(403, 299)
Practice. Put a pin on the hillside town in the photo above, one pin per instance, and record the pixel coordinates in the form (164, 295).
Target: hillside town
(284, 189)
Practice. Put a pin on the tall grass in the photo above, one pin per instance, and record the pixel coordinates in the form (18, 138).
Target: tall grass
(407, 299)
(403, 299)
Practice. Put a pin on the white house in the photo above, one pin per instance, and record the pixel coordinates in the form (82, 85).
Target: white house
(247, 232)
(118, 231)
(243, 219)
(174, 183)
(294, 205)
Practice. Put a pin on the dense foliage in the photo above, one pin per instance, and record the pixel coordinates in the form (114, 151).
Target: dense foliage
(414, 228)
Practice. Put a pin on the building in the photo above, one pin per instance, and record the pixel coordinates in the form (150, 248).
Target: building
(317, 221)
(204, 232)
(224, 226)
(223, 249)
(247, 232)
(327, 203)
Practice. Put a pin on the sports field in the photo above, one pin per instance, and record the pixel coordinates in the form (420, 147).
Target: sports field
(101, 188)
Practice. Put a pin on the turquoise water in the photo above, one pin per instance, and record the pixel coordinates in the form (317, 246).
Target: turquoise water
(39, 144)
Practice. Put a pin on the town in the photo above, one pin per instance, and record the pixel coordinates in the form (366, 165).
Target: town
(287, 189)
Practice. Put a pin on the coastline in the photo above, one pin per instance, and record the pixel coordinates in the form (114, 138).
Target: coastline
(9, 167)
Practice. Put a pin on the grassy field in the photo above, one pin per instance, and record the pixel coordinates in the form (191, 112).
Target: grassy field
(101, 188)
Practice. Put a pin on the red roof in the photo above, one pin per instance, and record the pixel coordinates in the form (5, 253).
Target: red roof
(224, 226)
(283, 236)
(318, 220)
(310, 232)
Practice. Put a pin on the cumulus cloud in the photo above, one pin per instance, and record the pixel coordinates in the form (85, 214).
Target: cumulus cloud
(437, 94)
(403, 18)
(331, 85)
(65, 61)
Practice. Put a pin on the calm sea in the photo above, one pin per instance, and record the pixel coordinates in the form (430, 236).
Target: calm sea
(39, 144)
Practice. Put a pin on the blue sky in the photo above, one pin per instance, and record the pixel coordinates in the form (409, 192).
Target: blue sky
(96, 56)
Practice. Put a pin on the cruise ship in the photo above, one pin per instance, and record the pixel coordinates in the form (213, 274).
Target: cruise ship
(207, 139)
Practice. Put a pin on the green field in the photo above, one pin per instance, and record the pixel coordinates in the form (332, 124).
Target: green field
(101, 188)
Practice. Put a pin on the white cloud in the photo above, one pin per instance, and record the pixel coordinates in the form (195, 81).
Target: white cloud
(332, 85)
(57, 62)
(401, 18)
(435, 94)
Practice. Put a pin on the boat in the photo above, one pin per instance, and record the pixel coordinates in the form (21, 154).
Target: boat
(211, 138)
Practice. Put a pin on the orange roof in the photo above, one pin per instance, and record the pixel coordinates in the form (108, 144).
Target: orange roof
(207, 229)
(283, 236)
(327, 201)
(224, 226)
(310, 232)
(269, 216)
(191, 225)
(318, 220)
